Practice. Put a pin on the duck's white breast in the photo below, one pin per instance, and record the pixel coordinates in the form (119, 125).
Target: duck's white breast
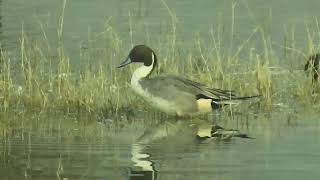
(155, 101)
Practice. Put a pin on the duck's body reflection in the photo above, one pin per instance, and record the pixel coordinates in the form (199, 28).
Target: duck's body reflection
(174, 134)
(144, 169)
(143, 166)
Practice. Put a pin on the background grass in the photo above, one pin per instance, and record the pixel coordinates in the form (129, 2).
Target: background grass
(46, 79)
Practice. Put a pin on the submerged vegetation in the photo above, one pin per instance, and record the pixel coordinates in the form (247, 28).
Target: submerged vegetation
(46, 79)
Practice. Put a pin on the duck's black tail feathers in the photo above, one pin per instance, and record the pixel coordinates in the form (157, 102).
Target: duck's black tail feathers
(218, 103)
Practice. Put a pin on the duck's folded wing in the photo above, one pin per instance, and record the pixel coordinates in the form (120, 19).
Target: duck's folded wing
(214, 93)
(171, 86)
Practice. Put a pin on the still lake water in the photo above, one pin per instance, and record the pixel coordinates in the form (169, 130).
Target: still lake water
(150, 21)
(287, 140)
(285, 146)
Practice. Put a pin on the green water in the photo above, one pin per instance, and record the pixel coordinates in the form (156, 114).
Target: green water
(66, 145)
(285, 146)
(150, 21)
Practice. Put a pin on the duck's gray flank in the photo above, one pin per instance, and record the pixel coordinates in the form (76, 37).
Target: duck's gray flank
(187, 93)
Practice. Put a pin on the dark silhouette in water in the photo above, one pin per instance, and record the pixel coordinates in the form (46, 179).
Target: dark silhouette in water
(219, 133)
(313, 65)
(142, 175)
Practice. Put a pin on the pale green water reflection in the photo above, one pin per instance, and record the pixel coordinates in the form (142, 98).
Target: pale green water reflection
(285, 147)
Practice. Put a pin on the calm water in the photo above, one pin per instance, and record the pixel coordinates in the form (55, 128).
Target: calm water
(151, 22)
(286, 144)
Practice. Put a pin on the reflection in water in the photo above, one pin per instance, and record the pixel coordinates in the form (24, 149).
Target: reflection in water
(168, 150)
(171, 131)
(144, 167)
(147, 170)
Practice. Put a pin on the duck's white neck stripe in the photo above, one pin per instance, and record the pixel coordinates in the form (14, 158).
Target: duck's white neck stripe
(138, 75)
(142, 71)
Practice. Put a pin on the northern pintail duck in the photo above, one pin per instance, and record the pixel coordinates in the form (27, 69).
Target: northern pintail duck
(173, 94)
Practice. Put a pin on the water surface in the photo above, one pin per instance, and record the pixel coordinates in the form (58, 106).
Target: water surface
(285, 146)
(150, 21)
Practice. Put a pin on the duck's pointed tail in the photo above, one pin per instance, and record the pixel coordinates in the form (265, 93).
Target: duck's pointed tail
(232, 101)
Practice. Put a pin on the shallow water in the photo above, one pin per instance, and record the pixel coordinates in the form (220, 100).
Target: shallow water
(59, 146)
(285, 146)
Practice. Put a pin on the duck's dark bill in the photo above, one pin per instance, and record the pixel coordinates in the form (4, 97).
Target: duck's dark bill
(124, 63)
